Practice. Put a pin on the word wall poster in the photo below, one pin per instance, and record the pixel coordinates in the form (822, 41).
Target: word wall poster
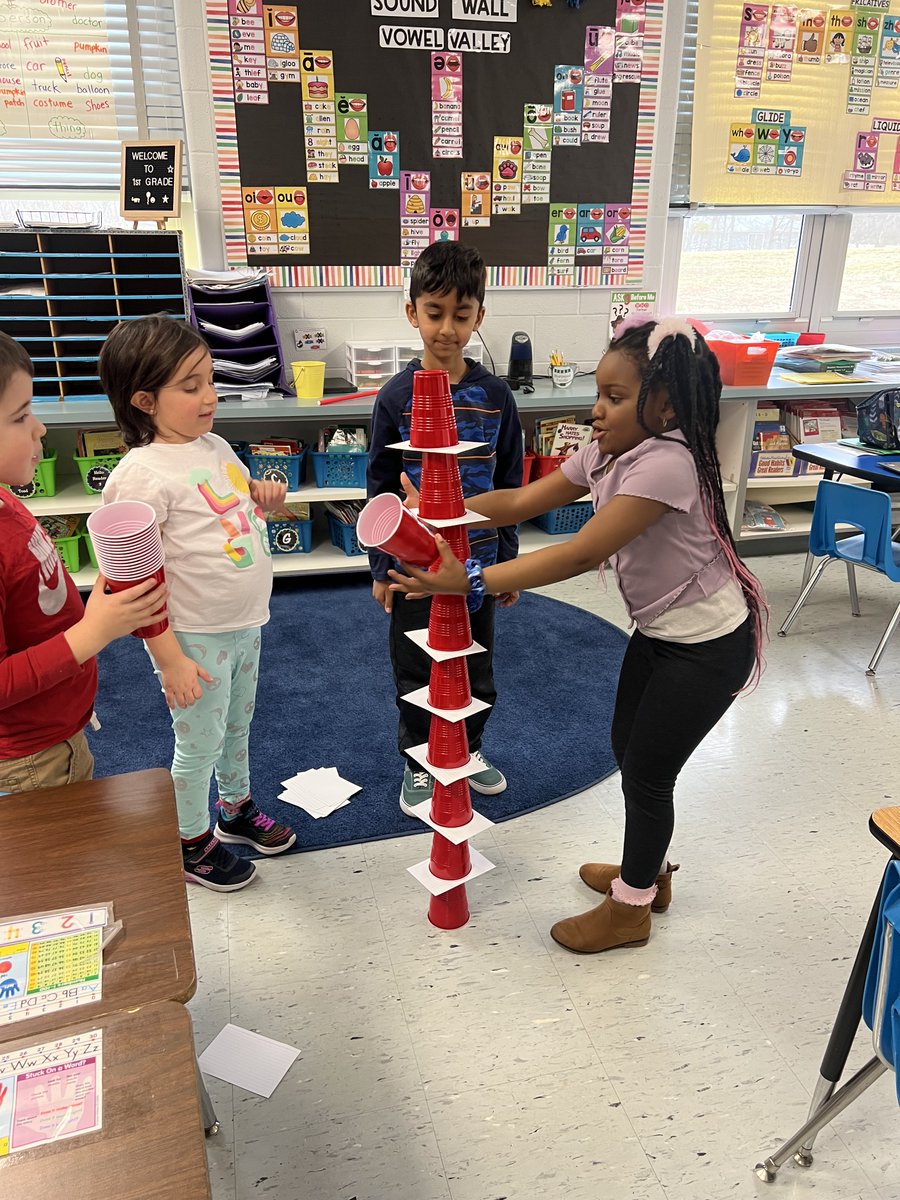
(352, 135)
(797, 105)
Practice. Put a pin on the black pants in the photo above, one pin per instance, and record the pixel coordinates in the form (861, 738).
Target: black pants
(412, 669)
(670, 696)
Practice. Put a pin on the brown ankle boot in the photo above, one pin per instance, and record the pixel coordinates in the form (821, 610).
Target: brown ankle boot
(605, 927)
(599, 876)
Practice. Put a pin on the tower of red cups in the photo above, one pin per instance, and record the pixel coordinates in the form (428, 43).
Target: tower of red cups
(433, 432)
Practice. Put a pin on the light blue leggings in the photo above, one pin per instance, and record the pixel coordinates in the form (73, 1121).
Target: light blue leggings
(213, 733)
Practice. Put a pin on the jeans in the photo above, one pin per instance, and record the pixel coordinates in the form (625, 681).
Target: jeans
(670, 696)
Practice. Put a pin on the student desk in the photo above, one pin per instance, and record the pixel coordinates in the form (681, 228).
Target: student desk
(844, 460)
(150, 1146)
(113, 839)
(884, 825)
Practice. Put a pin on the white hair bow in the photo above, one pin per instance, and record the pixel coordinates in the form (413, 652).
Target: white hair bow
(670, 327)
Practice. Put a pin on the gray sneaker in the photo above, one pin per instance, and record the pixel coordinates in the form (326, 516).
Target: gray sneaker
(489, 781)
(417, 788)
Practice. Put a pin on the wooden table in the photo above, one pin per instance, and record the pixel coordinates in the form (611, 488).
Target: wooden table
(151, 1145)
(113, 839)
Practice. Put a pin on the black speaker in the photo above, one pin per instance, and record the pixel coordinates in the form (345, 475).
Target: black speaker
(520, 370)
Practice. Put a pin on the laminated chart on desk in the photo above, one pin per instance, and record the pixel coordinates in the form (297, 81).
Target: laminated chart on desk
(50, 1091)
(50, 962)
(352, 135)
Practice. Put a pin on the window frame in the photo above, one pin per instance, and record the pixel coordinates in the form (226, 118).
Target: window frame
(146, 33)
(794, 318)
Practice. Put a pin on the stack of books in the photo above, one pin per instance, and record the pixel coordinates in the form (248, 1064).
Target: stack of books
(90, 443)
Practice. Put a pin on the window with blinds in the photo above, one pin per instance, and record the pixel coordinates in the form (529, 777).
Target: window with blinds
(680, 193)
(78, 77)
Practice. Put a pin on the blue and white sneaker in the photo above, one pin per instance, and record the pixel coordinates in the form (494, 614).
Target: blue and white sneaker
(212, 866)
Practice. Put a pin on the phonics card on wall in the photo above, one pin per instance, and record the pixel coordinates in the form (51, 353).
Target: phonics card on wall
(382, 92)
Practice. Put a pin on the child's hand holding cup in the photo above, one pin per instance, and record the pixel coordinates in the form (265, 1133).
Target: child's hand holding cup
(562, 376)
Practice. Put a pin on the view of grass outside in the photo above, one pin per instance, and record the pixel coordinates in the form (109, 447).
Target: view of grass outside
(737, 264)
(871, 280)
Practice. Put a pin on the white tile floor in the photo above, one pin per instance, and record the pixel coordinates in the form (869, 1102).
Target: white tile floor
(489, 1064)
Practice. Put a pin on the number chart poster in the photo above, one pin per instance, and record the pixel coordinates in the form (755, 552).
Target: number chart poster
(352, 135)
(797, 105)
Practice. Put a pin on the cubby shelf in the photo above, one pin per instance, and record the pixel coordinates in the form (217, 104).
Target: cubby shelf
(63, 291)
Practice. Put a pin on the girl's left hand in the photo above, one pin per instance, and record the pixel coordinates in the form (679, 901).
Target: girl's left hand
(507, 599)
(268, 494)
(449, 578)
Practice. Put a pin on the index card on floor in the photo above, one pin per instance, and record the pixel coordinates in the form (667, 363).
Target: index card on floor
(248, 1060)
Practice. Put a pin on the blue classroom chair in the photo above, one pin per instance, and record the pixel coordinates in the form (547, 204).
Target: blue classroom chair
(870, 512)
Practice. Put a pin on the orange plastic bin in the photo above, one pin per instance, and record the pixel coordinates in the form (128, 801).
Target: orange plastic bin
(745, 364)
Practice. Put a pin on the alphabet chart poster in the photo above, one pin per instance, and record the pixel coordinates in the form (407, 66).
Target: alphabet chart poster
(797, 105)
(50, 1091)
(351, 135)
(50, 962)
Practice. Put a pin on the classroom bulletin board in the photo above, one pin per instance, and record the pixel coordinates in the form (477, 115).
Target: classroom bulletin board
(352, 134)
(797, 105)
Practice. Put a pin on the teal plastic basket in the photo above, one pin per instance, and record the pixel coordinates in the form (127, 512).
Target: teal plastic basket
(568, 519)
(340, 469)
(343, 536)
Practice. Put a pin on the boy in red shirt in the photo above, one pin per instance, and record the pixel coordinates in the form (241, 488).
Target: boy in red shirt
(48, 638)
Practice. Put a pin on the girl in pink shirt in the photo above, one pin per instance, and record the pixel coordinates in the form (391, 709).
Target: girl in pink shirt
(660, 521)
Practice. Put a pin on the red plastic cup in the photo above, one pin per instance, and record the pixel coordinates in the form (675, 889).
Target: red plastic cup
(121, 585)
(448, 743)
(440, 491)
(433, 421)
(449, 861)
(448, 624)
(448, 685)
(386, 524)
(121, 518)
(127, 541)
(457, 538)
(451, 803)
(450, 911)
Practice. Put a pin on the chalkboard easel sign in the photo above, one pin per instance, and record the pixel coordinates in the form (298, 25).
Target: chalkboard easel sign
(150, 182)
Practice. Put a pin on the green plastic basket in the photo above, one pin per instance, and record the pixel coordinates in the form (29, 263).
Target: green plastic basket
(89, 546)
(44, 482)
(95, 469)
(69, 549)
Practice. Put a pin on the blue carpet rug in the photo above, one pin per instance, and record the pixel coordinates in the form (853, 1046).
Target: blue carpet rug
(326, 699)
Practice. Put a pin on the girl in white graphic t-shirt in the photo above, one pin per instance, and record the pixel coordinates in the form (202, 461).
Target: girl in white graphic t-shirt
(157, 373)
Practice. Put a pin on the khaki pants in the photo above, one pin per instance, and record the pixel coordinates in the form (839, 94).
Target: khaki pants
(70, 761)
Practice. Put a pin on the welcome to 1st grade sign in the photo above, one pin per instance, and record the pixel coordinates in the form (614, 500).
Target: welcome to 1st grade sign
(150, 182)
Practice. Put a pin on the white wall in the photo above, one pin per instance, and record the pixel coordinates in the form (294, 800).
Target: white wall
(575, 321)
